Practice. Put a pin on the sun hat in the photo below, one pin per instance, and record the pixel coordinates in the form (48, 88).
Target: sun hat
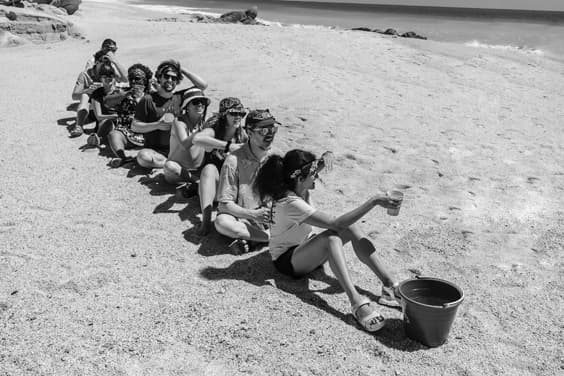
(260, 118)
(230, 104)
(191, 94)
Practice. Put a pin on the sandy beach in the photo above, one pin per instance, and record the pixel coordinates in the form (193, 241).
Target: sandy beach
(102, 273)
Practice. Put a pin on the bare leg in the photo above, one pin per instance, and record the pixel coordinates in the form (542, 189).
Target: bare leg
(366, 253)
(232, 227)
(117, 142)
(149, 158)
(81, 115)
(209, 179)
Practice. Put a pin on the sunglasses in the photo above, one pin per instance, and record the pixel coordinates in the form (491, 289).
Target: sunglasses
(167, 77)
(236, 113)
(263, 131)
(199, 102)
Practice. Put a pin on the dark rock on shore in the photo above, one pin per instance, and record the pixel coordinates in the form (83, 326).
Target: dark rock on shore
(393, 32)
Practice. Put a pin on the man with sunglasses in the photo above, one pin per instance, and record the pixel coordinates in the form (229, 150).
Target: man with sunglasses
(240, 214)
(157, 111)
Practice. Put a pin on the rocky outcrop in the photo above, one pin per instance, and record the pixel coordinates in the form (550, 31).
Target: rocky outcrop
(34, 24)
(393, 32)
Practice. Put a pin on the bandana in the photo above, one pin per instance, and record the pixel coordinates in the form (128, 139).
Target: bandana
(230, 103)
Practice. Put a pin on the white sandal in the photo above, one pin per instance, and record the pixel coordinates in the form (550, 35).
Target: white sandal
(373, 321)
(389, 296)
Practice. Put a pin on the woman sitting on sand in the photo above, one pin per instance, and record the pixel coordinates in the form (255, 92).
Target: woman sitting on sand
(296, 251)
(122, 138)
(222, 134)
(105, 116)
(185, 158)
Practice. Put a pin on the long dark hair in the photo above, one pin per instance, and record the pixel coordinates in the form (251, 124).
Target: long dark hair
(274, 177)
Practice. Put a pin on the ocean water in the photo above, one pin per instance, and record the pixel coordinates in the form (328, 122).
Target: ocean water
(540, 33)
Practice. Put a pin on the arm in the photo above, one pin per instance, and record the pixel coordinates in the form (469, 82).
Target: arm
(97, 107)
(121, 71)
(144, 112)
(323, 220)
(81, 88)
(206, 139)
(114, 99)
(187, 140)
(143, 127)
(195, 79)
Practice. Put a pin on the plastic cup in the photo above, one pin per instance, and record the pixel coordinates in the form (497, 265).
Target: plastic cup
(168, 117)
(397, 196)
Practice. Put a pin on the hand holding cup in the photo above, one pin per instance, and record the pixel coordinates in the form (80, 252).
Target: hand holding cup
(395, 199)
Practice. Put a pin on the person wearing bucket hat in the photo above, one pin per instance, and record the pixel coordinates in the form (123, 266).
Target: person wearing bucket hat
(185, 158)
(157, 111)
(295, 249)
(241, 215)
(223, 133)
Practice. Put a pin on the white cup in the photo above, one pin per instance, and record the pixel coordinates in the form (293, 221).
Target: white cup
(396, 196)
(168, 117)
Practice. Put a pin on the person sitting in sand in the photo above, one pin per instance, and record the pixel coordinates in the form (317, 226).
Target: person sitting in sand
(247, 17)
(87, 82)
(105, 116)
(125, 103)
(240, 213)
(157, 111)
(296, 250)
(223, 133)
(108, 46)
(185, 158)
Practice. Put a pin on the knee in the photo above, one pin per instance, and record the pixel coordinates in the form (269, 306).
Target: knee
(224, 225)
(209, 172)
(171, 168)
(144, 158)
(334, 240)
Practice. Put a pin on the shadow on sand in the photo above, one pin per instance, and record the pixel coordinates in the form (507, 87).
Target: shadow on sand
(259, 271)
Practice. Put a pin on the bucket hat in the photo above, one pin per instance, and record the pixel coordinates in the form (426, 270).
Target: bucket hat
(191, 94)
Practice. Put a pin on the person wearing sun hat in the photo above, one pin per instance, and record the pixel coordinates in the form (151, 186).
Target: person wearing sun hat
(223, 133)
(157, 111)
(185, 158)
(241, 214)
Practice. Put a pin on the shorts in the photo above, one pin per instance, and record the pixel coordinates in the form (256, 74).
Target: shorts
(284, 263)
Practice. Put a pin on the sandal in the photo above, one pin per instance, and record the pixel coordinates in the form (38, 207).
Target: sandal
(389, 296)
(118, 162)
(75, 131)
(185, 191)
(371, 322)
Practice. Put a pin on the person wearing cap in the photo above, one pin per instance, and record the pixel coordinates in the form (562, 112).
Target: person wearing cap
(87, 82)
(223, 133)
(157, 111)
(108, 45)
(105, 116)
(125, 103)
(241, 215)
(185, 158)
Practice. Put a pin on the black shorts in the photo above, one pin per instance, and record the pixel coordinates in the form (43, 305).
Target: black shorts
(284, 263)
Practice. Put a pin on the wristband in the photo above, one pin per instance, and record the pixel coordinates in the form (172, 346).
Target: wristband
(227, 146)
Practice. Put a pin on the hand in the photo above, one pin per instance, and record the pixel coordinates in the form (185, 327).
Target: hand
(327, 159)
(234, 147)
(387, 201)
(93, 87)
(261, 215)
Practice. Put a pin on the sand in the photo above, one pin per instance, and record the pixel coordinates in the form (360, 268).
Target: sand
(102, 273)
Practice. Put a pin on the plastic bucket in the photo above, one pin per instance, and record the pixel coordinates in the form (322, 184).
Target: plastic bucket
(429, 306)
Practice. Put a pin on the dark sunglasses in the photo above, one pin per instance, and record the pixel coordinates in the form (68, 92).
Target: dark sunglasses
(167, 76)
(236, 113)
(263, 131)
(198, 102)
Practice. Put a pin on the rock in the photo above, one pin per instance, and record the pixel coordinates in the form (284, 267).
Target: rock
(11, 16)
(361, 29)
(390, 32)
(411, 34)
(71, 6)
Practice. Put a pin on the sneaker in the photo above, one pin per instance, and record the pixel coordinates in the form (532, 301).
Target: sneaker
(93, 140)
(118, 162)
(389, 296)
(76, 131)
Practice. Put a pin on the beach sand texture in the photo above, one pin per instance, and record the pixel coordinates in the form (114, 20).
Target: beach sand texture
(101, 273)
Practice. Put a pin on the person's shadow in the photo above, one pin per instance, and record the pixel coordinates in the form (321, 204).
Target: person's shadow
(259, 271)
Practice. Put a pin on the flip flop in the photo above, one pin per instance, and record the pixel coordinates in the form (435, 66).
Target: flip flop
(371, 322)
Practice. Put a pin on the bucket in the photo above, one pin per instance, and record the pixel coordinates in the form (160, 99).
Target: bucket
(429, 306)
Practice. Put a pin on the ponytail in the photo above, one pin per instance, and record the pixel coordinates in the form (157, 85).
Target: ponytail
(269, 182)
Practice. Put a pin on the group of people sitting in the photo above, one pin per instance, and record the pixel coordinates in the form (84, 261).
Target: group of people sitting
(261, 197)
